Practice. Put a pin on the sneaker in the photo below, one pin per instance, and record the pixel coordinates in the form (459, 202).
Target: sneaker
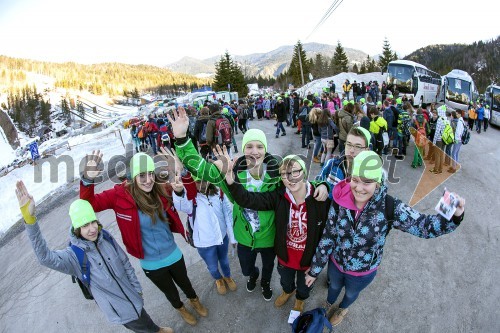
(230, 283)
(221, 286)
(283, 134)
(338, 316)
(267, 291)
(276, 136)
(251, 283)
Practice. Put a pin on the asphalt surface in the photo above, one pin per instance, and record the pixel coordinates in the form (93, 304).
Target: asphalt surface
(448, 284)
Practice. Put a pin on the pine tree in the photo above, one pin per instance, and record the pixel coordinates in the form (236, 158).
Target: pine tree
(355, 68)
(294, 73)
(362, 69)
(228, 73)
(387, 55)
(80, 109)
(339, 60)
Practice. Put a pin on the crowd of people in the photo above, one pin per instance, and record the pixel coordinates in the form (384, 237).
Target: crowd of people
(259, 203)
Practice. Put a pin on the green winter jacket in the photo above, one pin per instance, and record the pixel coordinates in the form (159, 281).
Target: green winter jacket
(264, 237)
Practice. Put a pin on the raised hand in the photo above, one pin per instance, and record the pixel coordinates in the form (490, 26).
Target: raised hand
(180, 122)
(92, 162)
(177, 184)
(171, 157)
(224, 163)
(26, 202)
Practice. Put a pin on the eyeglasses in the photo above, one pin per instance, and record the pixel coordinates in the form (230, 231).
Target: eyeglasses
(291, 174)
(349, 145)
(358, 180)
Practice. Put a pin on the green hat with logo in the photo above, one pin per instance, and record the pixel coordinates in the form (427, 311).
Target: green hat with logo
(254, 134)
(367, 164)
(140, 163)
(81, 213)
(297, 159)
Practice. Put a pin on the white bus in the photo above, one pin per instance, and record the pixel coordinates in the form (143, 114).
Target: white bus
(492, 97)
(414, 80)
(459, 90)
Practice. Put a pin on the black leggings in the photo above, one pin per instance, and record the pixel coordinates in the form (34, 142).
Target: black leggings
(167, 277)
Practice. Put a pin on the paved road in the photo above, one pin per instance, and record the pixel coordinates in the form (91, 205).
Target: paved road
(447, 284)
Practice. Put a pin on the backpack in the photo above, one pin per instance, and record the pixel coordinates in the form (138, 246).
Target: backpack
(447, 136)
(223, 131)
(84, 280)
(188, 229)
(192, 122)
(202, 137)
(404, 123)
(465, 138)
(303, 114)
(142, 133)
(421, 135)
(312, 321)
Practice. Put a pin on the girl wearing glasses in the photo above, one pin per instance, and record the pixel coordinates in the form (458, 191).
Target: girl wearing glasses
(299, 216)
(361, 216)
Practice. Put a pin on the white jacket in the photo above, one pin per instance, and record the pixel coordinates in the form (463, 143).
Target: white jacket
(212, 222)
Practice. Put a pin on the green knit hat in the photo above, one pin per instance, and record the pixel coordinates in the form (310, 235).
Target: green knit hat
(367, 165)
(351, 102)
(362, 100)
(345, 102)
(399, 100)
(297, 159)
(379, 103)
(366, 133)
(141, 162)
(81, 213)
(254, 134)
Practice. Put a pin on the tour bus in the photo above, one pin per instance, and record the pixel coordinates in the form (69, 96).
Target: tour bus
(492, 98)
(459, 90)
(415, 81)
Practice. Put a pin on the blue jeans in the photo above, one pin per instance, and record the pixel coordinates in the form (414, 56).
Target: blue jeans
(306, 134)
(317, 145)
(279, 126)
(287, 281)
(152, 140)
(353, 285)
(454, 154)
(214, 255)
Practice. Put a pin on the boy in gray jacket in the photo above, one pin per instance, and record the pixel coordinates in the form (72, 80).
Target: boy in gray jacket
(115, 287)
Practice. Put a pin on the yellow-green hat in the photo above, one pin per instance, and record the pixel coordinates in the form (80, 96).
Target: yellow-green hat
(345, 102)
(141, 163)
(367, 164)
(362, 100)
(254, 134)
(366, 133)
(81, 213)
(399, 100)
(297, 159)
(379, 103)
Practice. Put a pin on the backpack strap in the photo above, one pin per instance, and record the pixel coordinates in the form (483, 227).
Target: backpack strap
(193, 212)
(107, 236)
(84, 264)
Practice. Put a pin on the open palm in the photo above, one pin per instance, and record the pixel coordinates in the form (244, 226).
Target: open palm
(179, 121)
(23, 197)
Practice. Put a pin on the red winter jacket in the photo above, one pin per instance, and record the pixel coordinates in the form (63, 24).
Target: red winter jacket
(120, 200)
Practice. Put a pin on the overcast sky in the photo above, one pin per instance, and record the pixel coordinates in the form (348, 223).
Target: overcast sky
(162, 32)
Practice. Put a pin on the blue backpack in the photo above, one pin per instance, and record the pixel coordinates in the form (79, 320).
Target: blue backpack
(84, 280)
(313, 321)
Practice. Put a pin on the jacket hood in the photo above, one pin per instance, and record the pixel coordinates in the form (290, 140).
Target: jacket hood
(343, 196)
(442, 111)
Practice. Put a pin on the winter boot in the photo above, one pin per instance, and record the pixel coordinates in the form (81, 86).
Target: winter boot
(338, 316)
(230, 283)
(196, 304)
(165, 330)
(221, 286)
(282, 299)
(187, 316)
(299, 305)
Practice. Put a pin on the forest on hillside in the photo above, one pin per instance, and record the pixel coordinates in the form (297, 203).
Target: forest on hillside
(114, 79)
(480, 59)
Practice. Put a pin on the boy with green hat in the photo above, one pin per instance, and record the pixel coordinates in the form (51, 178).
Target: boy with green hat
(114, 289)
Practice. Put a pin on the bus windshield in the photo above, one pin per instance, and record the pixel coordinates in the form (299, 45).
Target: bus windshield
(495, 102)
(458, 91)
(400, 76)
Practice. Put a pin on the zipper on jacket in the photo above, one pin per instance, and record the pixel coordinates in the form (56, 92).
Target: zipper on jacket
(119, 286)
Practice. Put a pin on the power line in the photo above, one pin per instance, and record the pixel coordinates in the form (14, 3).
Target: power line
(325, 17)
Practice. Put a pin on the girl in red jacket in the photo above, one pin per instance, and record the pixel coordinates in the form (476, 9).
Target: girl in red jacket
(146, 219)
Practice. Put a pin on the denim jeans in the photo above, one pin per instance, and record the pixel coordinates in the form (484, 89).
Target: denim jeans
(454, 154)
(353, 285)
(317, 145)
(279, 125)
(306, 134)
(215, 255)
(152, 140)
(289, 283)
(248, 257)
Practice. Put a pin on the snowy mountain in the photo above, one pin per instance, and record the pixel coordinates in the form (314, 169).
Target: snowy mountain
(265, 64)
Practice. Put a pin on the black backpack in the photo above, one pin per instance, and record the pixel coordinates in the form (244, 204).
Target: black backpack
(84, 280)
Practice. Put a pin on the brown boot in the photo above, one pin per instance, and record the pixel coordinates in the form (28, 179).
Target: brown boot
(165, 330)
(299, 305)
(187, 316)
(338, 316)
(196, 304)
(221, 287)
(282, 299)
(230, 283)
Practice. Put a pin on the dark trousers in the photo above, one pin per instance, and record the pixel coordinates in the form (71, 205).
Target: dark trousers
(306, 134)
(242, 125)
(144, 324)
(292, 279)
(279, 125)
(167, 277)
(260, 113)
(248, 257)
(471, 123)
(353, 285)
